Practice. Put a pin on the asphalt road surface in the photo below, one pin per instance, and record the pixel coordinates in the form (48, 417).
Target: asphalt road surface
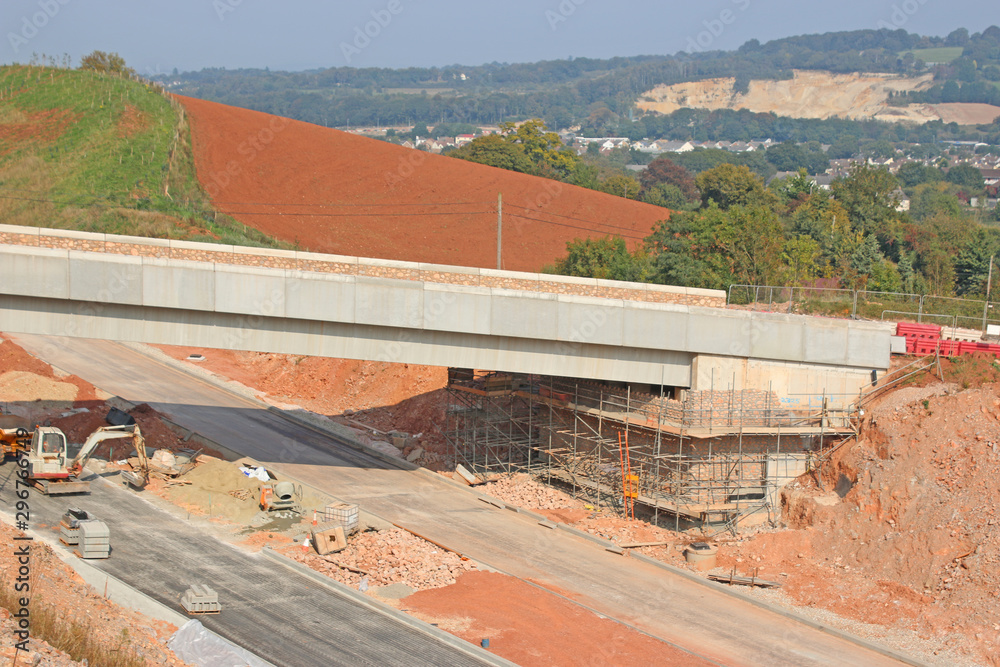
(707, 622)
(277, 614)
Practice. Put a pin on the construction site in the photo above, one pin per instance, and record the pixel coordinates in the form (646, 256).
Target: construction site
(681, 458)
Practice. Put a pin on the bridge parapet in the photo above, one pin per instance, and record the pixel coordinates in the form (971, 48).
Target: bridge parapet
(356, 266)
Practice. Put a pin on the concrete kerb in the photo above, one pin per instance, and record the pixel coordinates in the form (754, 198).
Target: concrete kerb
(604, 544)
(117, 590)
(401, 617)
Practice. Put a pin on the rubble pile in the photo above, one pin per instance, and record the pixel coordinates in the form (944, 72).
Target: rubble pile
(521, 490)
(382, 558)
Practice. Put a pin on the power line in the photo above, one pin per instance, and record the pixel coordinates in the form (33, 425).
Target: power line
(563, 224)
(569, 217)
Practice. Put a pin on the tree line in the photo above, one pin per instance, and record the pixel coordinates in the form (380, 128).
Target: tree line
(793, 233)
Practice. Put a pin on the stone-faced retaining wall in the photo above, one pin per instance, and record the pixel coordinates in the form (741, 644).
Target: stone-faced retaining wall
(314, 262)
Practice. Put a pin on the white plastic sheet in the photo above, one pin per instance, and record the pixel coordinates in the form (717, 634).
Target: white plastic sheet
(196, 644)
(257, 473)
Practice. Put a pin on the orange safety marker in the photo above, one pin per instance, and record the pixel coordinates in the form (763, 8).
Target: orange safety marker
(305, 546)
(314, 517)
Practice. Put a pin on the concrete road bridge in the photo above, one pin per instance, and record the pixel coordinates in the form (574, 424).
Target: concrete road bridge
(119, 288)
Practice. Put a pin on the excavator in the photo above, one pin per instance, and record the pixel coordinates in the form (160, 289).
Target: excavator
(51, 470)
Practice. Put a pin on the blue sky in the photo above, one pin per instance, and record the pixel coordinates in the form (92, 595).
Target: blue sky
(160, 35)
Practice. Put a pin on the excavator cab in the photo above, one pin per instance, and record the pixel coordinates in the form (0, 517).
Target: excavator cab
(48, 454)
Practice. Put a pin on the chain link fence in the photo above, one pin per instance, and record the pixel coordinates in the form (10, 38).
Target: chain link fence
(863, 304)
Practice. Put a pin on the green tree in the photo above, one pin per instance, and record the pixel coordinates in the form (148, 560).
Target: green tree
(108, 63)
(868, 194)
(801, 254)
(666, 195)
(664, 170)
(543, 148)
(972, 266)
(915, 173)
(966, 176)
(730, 185)
(494, 151)
(606, 258)
(621, 185)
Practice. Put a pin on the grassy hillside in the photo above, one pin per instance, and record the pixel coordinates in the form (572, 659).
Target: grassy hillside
(943, 54)
(93, 152)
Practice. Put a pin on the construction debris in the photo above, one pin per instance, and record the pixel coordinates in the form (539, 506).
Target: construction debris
(743, 581)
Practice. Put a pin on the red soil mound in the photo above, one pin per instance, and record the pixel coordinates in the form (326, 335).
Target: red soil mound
(330, 191)
(531, 627)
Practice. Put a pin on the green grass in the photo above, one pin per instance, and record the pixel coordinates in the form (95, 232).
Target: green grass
(943, 54)
(102, 153)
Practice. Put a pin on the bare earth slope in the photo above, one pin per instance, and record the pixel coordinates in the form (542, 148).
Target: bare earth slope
(809, 94)
(339, 193)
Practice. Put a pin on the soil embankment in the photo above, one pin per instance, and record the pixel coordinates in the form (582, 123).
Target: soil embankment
(329, 191)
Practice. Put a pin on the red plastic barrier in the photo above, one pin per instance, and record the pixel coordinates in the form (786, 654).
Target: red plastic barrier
(948, 348)
(910, 330)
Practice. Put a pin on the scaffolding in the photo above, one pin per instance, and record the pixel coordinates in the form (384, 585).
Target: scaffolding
(697, 458)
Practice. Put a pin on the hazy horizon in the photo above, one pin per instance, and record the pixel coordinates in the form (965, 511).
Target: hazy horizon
(191, 35)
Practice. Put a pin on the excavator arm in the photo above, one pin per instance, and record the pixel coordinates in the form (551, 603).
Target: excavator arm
(108, 433)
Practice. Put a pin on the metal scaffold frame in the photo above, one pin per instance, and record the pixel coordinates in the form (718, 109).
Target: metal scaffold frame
(709, 460)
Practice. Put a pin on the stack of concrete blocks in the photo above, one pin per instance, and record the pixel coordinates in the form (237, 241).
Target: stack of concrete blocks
(95, 539)
(69, 526)
(200, 600)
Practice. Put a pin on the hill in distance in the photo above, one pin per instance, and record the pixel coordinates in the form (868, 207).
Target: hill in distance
(329, 191)
(95, 152)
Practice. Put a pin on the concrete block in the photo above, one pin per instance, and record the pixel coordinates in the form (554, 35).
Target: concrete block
(178, 284)
(723, 332)
(777, 337)
(655, 326)
(200, 600)
(389, 303)
(319, 296)
(328, 539)
(105, 278)
(524, 314)
(249, 290)
(826, 343)
(589, 320)
(32, 271)
(457, 308)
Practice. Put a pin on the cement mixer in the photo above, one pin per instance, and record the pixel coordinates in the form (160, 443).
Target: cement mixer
(280, 497)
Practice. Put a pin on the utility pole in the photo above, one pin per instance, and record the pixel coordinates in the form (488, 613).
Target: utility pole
(499, 229)
(989, 283)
